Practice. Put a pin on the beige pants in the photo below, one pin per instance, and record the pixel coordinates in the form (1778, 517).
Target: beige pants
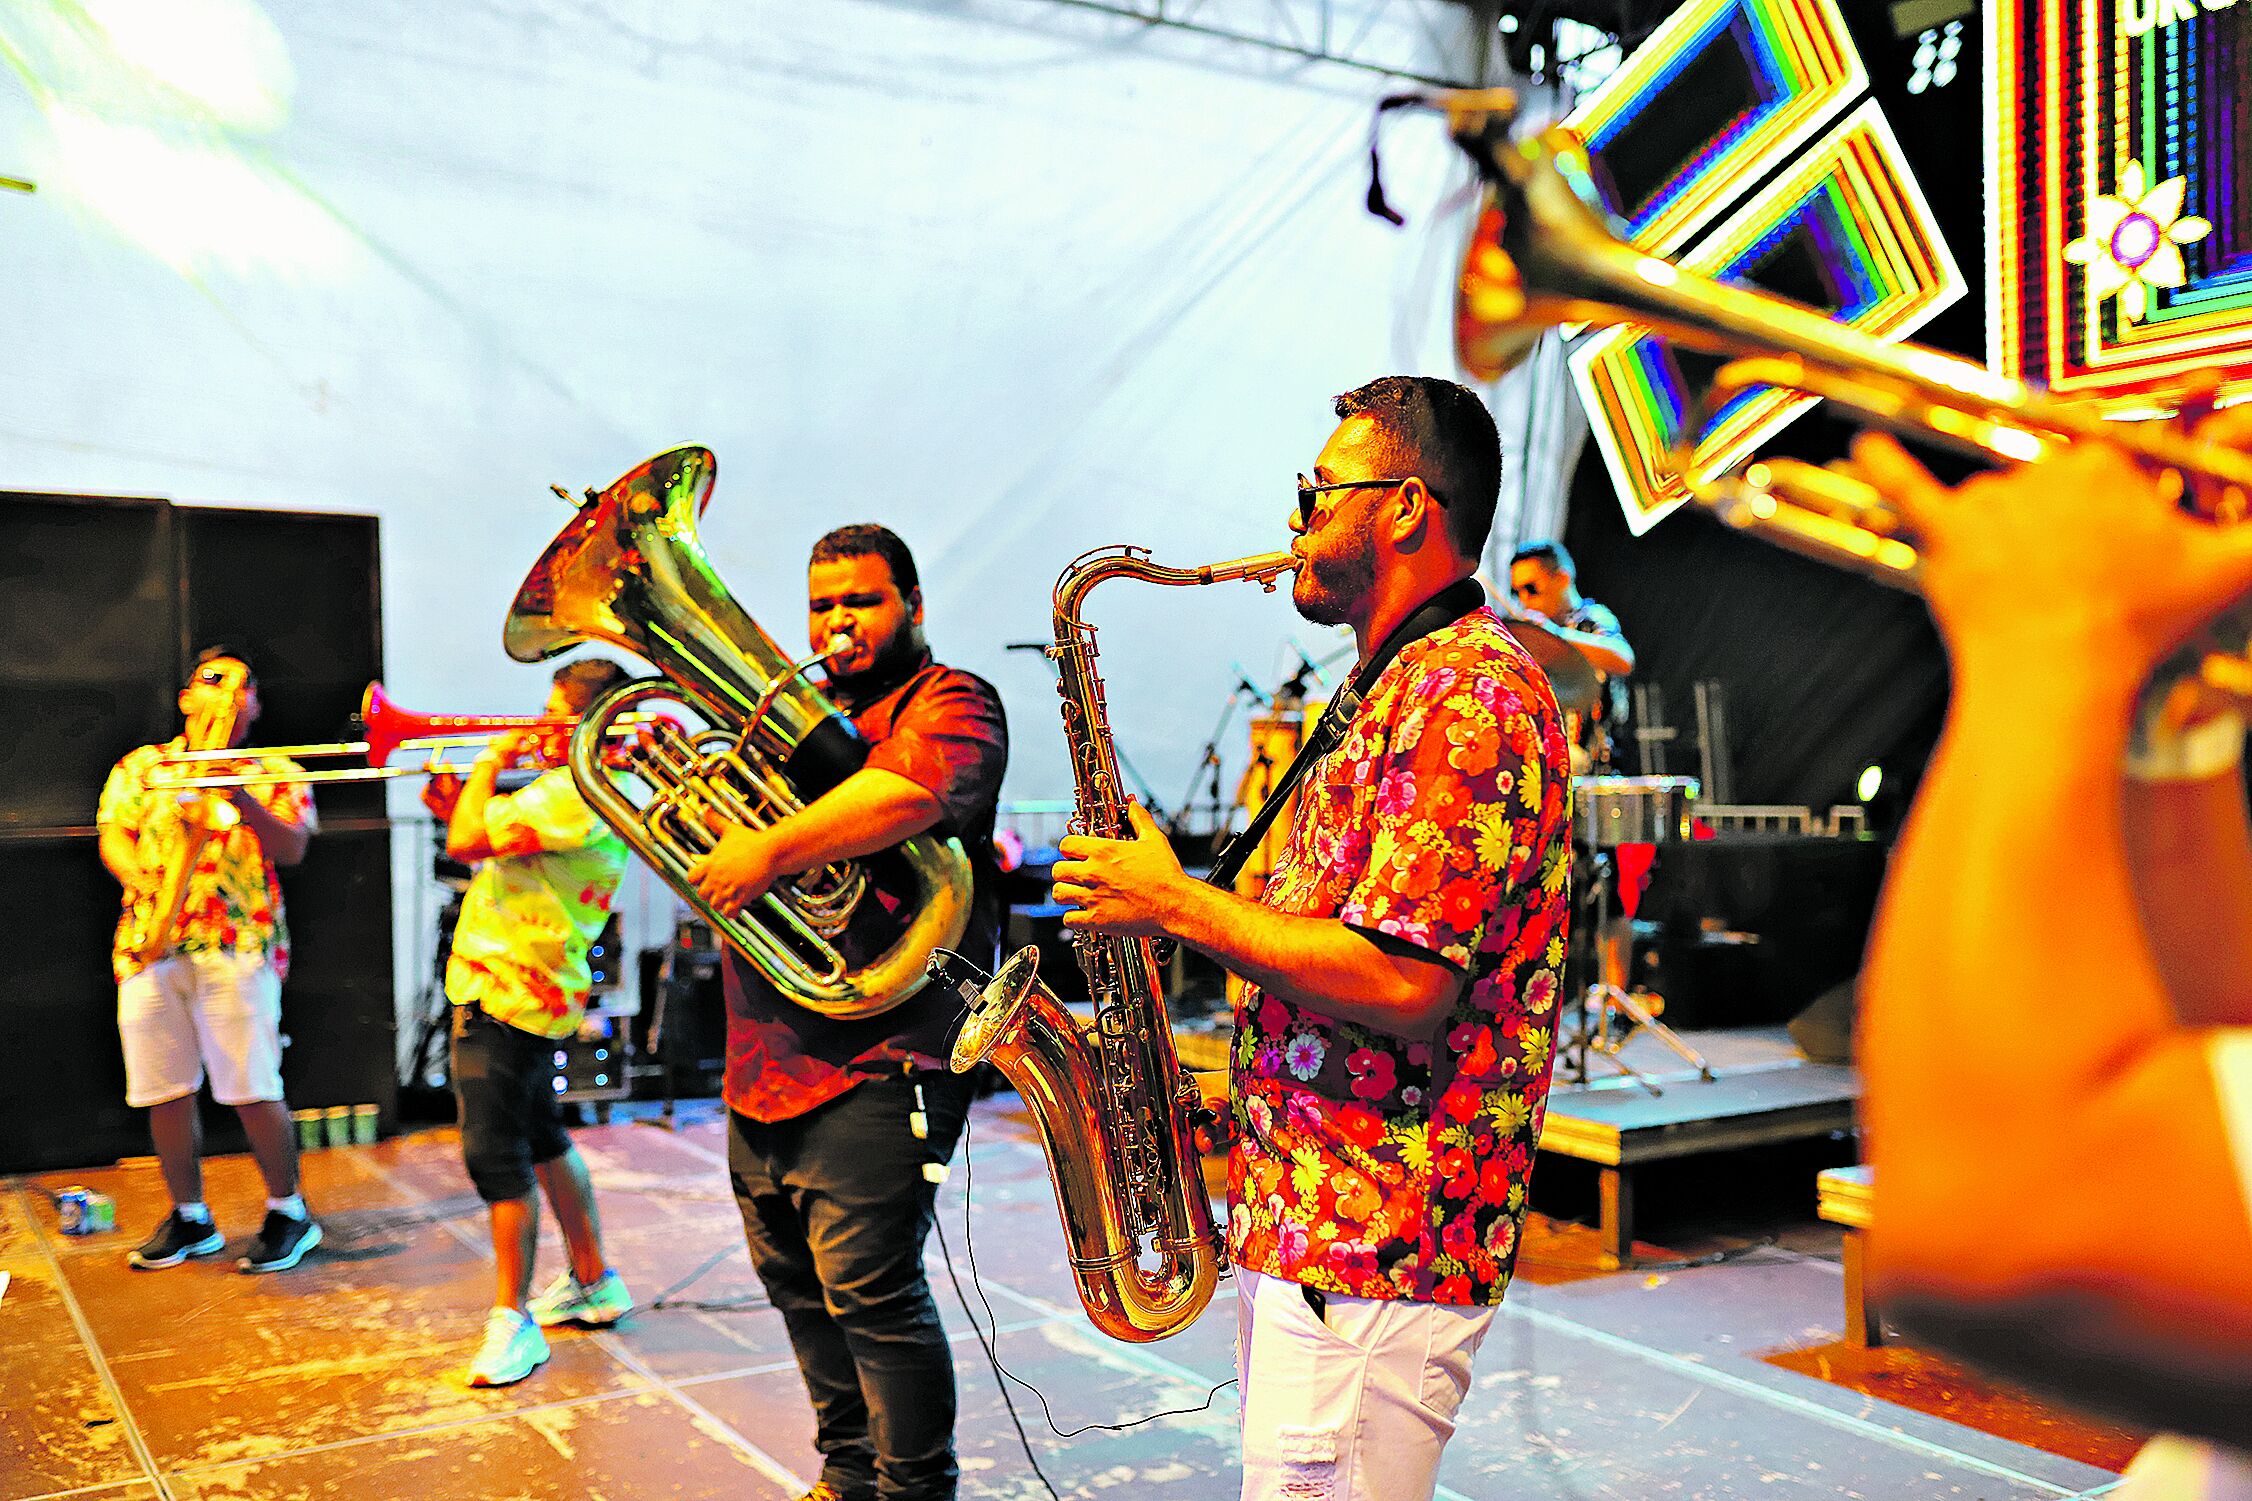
(1355, 1404)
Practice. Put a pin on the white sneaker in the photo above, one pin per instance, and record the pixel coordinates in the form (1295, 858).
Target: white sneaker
(513, 1349)
(565, 1302)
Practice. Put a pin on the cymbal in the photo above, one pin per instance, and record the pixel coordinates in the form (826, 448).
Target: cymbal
(1570, 676)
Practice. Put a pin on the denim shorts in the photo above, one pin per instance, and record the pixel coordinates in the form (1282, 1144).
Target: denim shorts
(504, 1080)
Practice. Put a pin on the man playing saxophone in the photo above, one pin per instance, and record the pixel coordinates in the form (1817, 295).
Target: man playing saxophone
(1394, 1039)
(840, 1130)
(201, 952)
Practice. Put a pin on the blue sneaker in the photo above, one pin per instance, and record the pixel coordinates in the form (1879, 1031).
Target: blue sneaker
(566, 1302)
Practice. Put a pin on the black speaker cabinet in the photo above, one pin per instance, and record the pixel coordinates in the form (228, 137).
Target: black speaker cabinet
(103, 603)
(90, 648)
(1751, 927)
(62, 1103)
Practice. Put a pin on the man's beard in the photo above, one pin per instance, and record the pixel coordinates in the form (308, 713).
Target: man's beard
(888, 664)
(1332, 582)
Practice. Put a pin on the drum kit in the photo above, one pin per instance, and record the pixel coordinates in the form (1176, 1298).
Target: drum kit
(1612, 816)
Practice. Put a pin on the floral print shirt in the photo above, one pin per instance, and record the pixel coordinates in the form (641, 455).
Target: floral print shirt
(234, 901)
(1381, 1165)
(535, 907)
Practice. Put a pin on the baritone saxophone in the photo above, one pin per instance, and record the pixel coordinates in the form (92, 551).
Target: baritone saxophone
(1111, 1102)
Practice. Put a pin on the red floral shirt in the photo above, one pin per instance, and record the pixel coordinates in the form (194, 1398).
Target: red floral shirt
(942, 729)
(1390, 1166)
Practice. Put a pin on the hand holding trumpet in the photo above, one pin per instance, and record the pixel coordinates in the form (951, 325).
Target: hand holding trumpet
(2082, 557)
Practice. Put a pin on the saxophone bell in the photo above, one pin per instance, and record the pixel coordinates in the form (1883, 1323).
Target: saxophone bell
(1116, 1114)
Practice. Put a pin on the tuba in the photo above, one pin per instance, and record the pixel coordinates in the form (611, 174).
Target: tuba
(1113, 1105)
(628, 570)
(201, 816)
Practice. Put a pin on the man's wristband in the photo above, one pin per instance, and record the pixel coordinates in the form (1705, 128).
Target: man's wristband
(2192, 755)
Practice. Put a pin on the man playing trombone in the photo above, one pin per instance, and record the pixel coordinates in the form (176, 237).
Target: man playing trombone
(518, 978)
(840, 1130)
(200, 955)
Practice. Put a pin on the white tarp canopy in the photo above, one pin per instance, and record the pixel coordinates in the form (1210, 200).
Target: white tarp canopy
(1015, 278)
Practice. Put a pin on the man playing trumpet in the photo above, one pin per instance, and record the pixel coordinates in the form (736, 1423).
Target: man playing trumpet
(518, 978)
(2057, 1008)
(200, 955)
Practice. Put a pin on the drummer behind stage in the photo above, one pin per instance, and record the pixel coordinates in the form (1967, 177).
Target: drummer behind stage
(1544, 581)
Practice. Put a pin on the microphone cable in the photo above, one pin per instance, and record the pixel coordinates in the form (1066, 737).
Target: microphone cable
(1002, 1375)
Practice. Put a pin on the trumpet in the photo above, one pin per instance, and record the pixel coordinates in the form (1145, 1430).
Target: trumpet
(389, 730)
(1543, 256)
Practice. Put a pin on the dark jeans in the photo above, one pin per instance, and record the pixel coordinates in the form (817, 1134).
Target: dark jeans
(836, 1209)
(504, 1080)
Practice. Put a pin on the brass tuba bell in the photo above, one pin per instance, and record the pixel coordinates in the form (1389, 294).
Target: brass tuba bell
(848, 940)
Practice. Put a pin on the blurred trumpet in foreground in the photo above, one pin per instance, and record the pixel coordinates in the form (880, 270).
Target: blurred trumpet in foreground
(1543, 255)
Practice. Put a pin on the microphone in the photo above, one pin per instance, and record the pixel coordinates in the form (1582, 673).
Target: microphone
(1039, 646)
(1243, 684)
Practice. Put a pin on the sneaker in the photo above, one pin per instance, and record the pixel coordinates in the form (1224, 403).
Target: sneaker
(566, 1302)
(282, 1242)
(513, 1349)
(175, 1241)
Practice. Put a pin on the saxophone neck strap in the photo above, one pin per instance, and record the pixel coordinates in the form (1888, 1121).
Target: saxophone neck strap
(1441, 609)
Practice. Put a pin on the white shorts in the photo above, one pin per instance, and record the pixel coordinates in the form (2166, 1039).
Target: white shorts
(190, 1012)
(1355, 1404)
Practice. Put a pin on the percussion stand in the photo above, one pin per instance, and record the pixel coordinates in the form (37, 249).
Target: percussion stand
(1608, 992)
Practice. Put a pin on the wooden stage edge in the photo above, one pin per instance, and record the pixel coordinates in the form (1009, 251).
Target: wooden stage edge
(1617, 1124)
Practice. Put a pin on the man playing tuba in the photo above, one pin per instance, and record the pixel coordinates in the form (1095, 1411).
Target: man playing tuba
(839, 1130)
(1395, 1037)
(200, 955)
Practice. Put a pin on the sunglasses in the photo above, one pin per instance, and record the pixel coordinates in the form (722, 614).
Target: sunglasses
(1307, 490)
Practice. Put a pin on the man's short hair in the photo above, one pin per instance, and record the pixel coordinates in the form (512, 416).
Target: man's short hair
(214, 653)
(1443, 432)
(1549, 552)
(868, 540)
(588, 679)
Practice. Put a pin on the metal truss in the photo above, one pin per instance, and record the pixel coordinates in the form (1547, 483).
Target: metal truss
(1444, 43)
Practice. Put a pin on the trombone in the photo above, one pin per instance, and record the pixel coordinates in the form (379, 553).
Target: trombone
(390, 730)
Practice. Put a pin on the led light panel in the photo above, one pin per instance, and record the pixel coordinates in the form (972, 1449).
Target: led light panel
(1709, 103)
(1844, 228)
(2119, 231)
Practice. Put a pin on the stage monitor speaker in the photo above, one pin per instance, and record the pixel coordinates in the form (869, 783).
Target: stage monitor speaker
(1824, 1030)
(89, 648)
(62, 1074)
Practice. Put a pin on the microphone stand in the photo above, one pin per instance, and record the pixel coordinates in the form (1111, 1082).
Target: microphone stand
(1208, 762)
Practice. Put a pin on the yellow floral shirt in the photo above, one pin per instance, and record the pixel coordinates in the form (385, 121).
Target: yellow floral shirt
(535, 908)
(234, 901)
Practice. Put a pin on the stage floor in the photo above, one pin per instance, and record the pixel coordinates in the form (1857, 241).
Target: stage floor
(342, 1379)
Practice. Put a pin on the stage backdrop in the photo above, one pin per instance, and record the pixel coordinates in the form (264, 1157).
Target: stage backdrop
(1015, 277)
